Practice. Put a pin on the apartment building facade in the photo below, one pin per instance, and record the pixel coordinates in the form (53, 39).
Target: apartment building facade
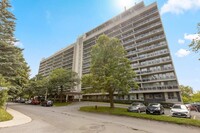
(141, 33)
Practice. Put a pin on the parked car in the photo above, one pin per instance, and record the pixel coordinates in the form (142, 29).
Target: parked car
(180, 110)
(47, 103)
(155, 108)
(137, 107)
(191, 107)
(35, 102)
(197, 106)
(28, 102)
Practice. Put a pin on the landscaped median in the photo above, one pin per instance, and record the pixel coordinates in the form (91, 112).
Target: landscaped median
(4, 116)
(123, 112)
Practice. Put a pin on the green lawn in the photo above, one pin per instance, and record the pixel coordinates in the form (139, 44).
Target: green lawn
(4, 116)
(57, 104)
(123, 112)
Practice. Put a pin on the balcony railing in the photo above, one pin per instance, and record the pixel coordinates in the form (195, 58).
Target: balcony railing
(152, 46)
(155, 79)
(147, 27)
(155, 70)
(149, 33)
(150, 88)
(154, 62)
(150, 40)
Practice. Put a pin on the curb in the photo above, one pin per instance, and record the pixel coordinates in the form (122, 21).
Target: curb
(18, 119)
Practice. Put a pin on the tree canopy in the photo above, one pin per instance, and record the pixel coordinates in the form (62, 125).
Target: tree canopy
(195, 44)
(13, 66)
(110, 70)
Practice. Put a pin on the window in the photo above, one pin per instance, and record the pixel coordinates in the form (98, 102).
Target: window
(170, 95)
(158, 96)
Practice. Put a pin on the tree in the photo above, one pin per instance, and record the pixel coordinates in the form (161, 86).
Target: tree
(3, 92)
(110, 70)
(12, 63)
(186, 92)
(196, 97)
(37, 86)
(195, 44)
(63, 80)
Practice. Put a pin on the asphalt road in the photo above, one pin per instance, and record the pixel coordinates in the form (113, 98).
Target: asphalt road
(69, 120)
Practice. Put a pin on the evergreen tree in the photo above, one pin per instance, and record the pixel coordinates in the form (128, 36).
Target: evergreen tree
(13, 66)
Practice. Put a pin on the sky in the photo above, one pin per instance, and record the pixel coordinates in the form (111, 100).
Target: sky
(46, 26)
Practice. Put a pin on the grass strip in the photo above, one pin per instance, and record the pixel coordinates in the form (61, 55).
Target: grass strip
(58, 104)
(123, 112)
(4, 115)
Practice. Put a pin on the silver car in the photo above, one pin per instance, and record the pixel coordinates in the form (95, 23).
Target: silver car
(137, 107)
(180, 110)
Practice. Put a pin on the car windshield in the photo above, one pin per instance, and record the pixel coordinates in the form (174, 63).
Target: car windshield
(154, 104)
(176, 107)
(135, 104)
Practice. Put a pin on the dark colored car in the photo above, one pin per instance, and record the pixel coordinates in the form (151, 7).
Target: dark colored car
(137, 107)
(191, 107)
(197, 106)
(46, 103)
(155, 108)
(35, 102)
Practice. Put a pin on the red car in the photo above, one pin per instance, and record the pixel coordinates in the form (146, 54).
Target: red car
(191, 107)
(35, 102)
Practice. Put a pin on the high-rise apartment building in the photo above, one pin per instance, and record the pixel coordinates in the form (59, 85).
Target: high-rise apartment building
(142, 35)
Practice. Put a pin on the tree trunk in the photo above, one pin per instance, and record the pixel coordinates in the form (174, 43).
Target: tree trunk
(111, 100)
(61, 92)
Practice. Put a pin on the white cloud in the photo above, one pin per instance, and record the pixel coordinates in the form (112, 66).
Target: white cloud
(180, 41)
(180, 6)
(182, 53)
(19, 44)
(191, 36)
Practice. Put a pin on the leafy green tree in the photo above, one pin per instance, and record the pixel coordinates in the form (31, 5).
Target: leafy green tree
(3, 92)
(37, 86)
(12, 63)
(196, 97)
(186, 92)
(195, 44)
(110, 70)
(63, 80)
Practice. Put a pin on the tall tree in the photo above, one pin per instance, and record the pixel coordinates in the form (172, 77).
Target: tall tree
(63, 80)
(195, 44)
(12, 63)
(110, 70)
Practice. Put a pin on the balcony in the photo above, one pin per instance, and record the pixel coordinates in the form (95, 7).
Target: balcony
(156, 38)
(153, 54)
(146, 21)
(157, 88)
(147, 27)
(163, 69)
(163, 43)
(155, 79)
(149, 33)
(86, 66)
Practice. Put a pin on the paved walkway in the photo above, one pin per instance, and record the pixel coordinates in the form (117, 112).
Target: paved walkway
(18, 119)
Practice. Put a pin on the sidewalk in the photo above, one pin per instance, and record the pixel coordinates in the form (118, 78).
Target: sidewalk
(18, 119)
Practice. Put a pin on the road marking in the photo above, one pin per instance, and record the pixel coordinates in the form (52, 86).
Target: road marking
(194, 117)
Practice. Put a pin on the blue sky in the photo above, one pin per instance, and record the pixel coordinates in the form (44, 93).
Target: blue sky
(46, 26)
